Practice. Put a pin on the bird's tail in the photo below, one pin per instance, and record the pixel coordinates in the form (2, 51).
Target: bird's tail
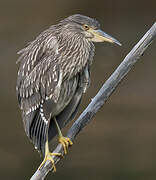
(36, 129)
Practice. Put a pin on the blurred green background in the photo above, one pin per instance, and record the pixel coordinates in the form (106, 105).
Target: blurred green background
(120, 143)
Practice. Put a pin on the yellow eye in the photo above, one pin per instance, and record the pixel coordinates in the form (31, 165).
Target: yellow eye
(86, 27)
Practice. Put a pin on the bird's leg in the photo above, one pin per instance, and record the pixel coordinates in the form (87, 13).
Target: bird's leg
(65, 141)
(48, 156)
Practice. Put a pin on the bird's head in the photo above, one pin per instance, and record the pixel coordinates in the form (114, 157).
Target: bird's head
(88, 28)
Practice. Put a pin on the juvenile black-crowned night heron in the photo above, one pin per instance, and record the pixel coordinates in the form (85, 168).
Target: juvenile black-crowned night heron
(53, 75)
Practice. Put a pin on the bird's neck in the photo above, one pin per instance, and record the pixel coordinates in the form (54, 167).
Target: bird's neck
(76, 52)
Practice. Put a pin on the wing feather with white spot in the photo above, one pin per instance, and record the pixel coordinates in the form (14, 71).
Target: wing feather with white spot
(43, 83)
(39, 75)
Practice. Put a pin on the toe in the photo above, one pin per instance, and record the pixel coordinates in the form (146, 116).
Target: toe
(65, 141)
(69, 141)
(56, 154)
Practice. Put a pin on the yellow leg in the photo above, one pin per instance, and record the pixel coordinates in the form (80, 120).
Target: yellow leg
(48, 156)
(65, 141)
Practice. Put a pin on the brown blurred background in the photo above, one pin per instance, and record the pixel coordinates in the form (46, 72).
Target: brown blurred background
(120, 143)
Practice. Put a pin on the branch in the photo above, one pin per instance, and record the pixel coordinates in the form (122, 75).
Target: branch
(101, 97)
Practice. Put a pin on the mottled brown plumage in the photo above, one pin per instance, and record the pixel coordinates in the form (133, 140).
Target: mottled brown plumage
(54, 73)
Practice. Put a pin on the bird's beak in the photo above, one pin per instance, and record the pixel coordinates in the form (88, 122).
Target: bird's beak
(100, 36)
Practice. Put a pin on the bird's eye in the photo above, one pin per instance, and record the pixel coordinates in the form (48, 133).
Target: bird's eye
(86, 27)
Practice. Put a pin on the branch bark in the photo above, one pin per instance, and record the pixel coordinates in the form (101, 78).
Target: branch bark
(104, 93)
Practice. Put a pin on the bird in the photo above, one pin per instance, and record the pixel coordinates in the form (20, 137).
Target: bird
(53, 75)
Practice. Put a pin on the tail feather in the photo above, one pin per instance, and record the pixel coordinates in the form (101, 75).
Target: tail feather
(39, 144)
(44, 137)
(36, 129)
(37, 133)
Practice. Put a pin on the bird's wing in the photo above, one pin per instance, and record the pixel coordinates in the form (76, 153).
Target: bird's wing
(39, 79)
(39, 76)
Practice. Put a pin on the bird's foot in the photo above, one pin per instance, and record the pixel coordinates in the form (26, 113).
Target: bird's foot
(66, 142)
(48, 156)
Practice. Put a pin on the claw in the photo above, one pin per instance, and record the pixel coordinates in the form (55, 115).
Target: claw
(47, 157)
(66, 142)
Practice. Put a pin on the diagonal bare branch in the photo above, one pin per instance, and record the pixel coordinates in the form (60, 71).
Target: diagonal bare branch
(104, 93)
